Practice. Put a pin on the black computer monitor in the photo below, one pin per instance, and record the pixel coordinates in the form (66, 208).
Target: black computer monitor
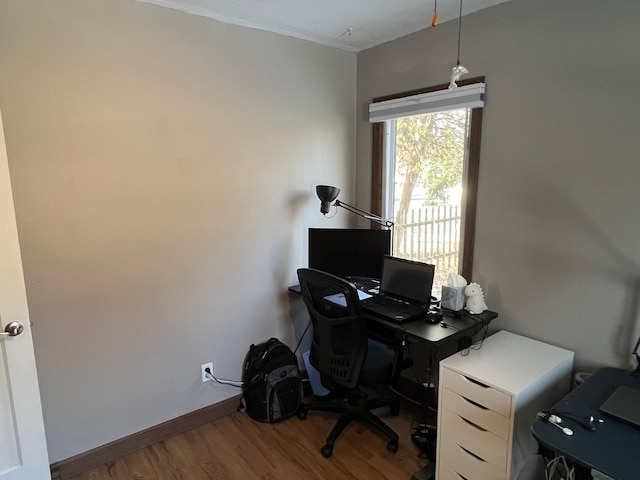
(348, 252)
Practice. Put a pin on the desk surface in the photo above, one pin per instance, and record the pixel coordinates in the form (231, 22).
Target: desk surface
(452, 326)
(458, 324)
(614, 446)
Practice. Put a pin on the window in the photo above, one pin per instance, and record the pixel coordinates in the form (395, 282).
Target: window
(425, 172)
(426, 156)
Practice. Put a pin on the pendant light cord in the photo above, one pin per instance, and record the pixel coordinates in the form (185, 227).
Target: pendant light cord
(459, 31)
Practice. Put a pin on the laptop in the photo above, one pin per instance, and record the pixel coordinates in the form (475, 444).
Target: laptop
(405, 290)
(624, 404)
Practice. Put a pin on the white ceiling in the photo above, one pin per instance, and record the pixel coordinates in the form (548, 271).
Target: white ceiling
(352, 25)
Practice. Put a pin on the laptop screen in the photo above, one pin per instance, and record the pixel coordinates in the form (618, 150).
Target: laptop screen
(407, 278)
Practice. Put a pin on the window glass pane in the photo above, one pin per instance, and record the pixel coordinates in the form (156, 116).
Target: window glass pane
(428, 171)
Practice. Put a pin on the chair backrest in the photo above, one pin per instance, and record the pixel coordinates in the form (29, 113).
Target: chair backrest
(339, 344)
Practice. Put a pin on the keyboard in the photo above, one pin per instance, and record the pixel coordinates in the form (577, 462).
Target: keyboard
(393, 309)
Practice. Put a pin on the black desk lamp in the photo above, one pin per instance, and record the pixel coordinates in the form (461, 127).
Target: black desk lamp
(328, 194)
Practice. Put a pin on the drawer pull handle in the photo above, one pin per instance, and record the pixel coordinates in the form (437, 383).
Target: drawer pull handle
(476, 404)
(472, 454)
(478, 427)
(462, 477)
(480, 384)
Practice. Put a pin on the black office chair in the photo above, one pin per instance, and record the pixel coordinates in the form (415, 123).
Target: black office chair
(345, 357)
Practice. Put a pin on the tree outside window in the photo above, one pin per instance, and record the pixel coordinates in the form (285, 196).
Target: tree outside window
(429, 166)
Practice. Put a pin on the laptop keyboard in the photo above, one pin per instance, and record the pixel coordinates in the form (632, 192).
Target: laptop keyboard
(382, 304)
(391, 302)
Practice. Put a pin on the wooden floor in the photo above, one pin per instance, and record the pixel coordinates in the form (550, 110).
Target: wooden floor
(238, 448)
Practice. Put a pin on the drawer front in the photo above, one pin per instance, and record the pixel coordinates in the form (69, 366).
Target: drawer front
(477, 392)
(485, 445)
(467, 466)
(446, 473)
(482, 416)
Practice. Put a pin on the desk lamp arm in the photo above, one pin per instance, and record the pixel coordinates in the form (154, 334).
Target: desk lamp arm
(636, 372)
(365, 214)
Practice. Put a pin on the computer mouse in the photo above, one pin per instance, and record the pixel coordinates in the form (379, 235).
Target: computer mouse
(434, 317)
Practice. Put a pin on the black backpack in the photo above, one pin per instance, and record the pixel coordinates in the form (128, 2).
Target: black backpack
(272, 386)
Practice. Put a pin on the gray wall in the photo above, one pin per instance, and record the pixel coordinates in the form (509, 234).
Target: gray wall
(163, 168)
(141, 140)
(558, 226)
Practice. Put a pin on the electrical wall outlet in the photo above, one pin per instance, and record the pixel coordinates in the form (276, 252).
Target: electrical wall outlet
(204, 366)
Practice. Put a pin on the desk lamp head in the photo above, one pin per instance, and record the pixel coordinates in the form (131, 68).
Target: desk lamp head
(326, 194)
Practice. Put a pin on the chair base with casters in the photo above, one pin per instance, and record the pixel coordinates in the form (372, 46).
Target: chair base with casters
(357, 406)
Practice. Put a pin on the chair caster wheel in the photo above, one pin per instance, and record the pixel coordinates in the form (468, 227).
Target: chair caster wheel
(302, 414)
(392, 446)
(327, 450)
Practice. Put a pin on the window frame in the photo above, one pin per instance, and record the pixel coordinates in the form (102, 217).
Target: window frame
(470, 198)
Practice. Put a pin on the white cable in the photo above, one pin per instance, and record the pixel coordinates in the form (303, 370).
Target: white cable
(404, 396)
(224, 381)
(552, 469)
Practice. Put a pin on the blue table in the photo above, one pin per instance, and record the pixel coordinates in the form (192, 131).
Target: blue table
(613, 448)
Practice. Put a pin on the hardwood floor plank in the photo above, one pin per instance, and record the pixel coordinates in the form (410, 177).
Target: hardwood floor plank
(118, 470)
(236, 447)
(193, 451)
(139, 466)
(233, 445)
(164, 463)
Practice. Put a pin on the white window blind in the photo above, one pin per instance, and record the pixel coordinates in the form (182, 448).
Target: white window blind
(468, 96)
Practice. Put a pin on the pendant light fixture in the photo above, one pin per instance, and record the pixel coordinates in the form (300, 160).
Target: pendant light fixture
(459, 69)
(434, 19)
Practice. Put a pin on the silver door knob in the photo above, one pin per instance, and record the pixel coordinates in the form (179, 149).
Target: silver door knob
(13, 329)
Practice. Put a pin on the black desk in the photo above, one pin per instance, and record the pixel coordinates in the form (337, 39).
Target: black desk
(454, 326)
(459, 329)
(613, 448)
(458, 325)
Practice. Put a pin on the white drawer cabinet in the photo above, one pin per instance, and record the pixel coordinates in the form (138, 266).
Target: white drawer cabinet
(488, 400)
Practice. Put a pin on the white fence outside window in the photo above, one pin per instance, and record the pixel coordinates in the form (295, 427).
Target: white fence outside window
(432, 235)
